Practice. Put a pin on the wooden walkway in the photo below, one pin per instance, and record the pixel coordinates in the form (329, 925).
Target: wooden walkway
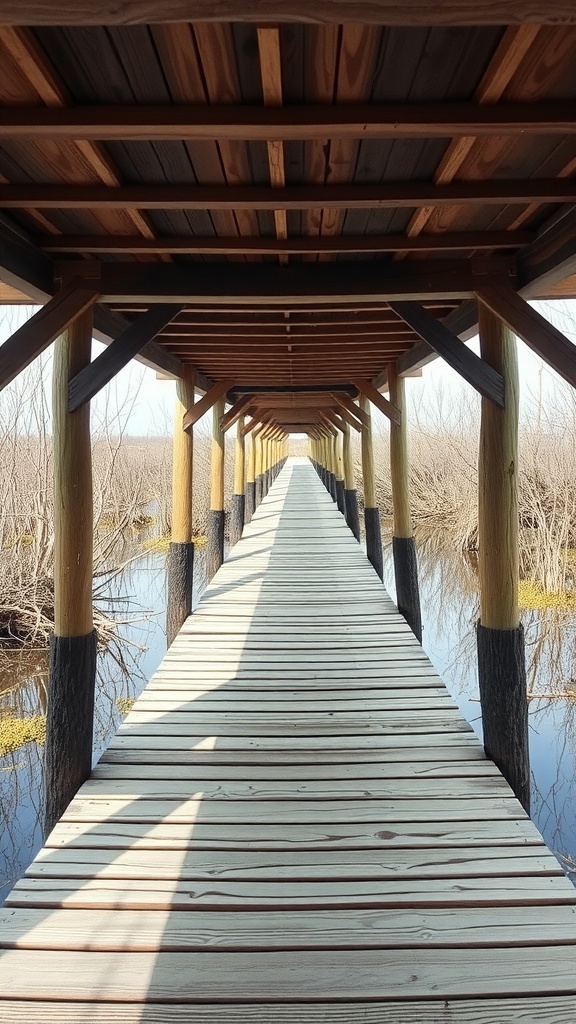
(294, 824)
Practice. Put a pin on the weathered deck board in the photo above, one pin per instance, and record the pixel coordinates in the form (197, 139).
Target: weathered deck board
(294, 824)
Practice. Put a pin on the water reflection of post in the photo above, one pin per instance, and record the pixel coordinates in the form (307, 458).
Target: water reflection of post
(70, 717)
(500, 635)
(181, 553)
(403, 544)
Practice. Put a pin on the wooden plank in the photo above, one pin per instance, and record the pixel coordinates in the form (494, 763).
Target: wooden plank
(327, 976)
(547, 341)
(100, 372)
(142, 931)
(398, 195)
(44, 327)
(479, 374)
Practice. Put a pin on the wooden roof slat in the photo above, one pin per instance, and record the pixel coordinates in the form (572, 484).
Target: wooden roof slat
(271, 72)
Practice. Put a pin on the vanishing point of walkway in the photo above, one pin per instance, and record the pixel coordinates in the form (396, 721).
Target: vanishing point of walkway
(294, 823)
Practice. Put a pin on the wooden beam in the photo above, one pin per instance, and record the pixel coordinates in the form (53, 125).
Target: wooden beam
(251, 424)
(390, 195)
(100, 372)
(442, 13)
(350, 418)
(214, 246)
(354, 410)
(480, 375)
(551, 257)
(299, 122)
(549, 343)
(41, 329)
(368, 390)
(199, 409)
(240, 407)
(294, 389)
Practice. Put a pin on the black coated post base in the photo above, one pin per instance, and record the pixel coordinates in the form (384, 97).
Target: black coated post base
(215, 542)
(180, 575)
(406, 575)
(374, 539)
(352, 515)
(250, 504)
(259, 483)
(332, 485)
(340, 497)
(502, 680)
(236, 524)
(69, 721)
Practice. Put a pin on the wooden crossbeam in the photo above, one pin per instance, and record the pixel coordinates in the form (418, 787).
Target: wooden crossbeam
(369, 391)
(328, 424)
(442, 13)
(334, 418)
(43, 328)
(241, 406)
(299, 122)
(200, 408)
(295, 389)
(100, 372)
(352, 418)
(214, 246)
(390, 195)
(549, 343)
(479, 374)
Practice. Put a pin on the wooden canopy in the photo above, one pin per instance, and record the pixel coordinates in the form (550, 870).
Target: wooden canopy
(287, 207)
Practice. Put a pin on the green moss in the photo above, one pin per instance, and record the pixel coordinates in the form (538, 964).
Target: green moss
(124, 704)
(16, 732)
(531, 595)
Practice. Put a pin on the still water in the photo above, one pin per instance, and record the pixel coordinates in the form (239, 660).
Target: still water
(449, 610)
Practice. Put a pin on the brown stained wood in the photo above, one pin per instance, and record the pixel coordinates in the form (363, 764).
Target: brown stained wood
(104, 368)
(73, 507)
(301, 122)
(367, 389)
(547, 341)
(43, 327)
(442, 241)
(239, 408)
(480, 375)
(399, 195)
(199, 409)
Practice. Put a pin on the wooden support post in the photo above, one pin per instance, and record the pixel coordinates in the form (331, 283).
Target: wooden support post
(215, 543)
(70, 715)
(350, 492)
(500, 635)
(339, 473)
(324, 462)
(237, 510)
(371, 511)
(403, 543)
(250, 503)
(180, 563)
(257, 442)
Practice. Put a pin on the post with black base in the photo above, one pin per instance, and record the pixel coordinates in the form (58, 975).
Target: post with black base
(215, 542)
(403, 543)
(237, 509)
(250, 503)
(500, 637)
(258, 494)
(340, 501)
(371, 511)
(180, 562)
(350, 492)
(70, 713)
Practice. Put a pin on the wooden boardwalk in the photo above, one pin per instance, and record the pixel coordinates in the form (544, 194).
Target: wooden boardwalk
(294, 823)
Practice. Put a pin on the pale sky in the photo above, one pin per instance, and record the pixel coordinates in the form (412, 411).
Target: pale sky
(145, 405)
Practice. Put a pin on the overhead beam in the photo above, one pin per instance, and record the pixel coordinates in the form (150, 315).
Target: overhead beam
(378, 12)
(200, 408)
(487, 381)
(214, 246)
(272, 285)
(300, 122)
(367, 389)
(390, 195)
(549, 343)
(350, 418)
(295, 389)
(97, 374)
(346, 403)
(43, 328)
(551, 257)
